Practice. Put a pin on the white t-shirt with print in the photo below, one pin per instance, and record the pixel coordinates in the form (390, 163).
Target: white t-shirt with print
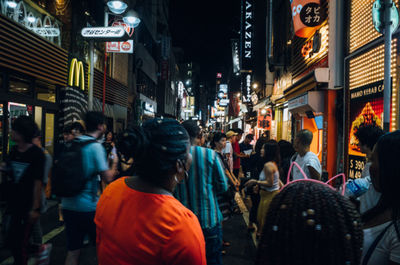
(229, 150)
(388, 247)
(308, 160)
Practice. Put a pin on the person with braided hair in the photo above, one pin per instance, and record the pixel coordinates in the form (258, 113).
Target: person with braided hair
(309, 223)
(381, 223)
(138, 219)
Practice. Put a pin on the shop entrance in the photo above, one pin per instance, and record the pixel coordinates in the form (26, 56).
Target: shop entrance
(45, 119)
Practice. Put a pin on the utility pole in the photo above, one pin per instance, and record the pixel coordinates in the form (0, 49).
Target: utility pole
(91, 72)
(387, 77)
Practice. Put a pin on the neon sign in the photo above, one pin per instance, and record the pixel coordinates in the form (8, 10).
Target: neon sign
(76, 74)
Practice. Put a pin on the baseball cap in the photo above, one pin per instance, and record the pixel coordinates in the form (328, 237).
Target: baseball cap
(229, 134)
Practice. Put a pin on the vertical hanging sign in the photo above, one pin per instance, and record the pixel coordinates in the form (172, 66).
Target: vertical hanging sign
(247, 34)
(235, 56)
(308, 16)
(247, 48)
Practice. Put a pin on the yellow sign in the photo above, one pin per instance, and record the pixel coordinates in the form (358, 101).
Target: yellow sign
(76, 74)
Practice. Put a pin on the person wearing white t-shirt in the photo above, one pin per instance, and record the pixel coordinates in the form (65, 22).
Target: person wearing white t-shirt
(307, 160)
(228, 151)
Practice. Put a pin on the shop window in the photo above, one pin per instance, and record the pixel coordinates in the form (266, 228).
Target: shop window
(20, 86)
(45, 91)
(38, 116)
(49, 133)
(34, 19)
(15, 110)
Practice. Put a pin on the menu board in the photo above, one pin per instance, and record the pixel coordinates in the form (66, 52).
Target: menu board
(366, 108)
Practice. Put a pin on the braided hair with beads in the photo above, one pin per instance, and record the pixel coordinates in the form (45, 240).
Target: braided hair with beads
(310, 224)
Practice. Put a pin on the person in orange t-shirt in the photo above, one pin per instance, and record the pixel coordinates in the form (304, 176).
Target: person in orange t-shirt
(138, 220)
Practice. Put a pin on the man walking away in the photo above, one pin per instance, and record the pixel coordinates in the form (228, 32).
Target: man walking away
(307, 160)
(25, 167)
(79, 211)
(199, 193)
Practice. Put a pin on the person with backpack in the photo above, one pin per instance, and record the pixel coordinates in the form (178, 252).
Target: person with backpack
(75, 180)
(25, 171)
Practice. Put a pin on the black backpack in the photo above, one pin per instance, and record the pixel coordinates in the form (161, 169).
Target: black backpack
(68, 178)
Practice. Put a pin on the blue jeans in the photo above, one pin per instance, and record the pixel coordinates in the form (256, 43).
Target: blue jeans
(213, 238)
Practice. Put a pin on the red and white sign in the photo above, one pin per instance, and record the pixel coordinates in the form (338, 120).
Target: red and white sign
(121, 46)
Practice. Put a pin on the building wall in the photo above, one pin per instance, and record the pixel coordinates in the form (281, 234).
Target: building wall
(120, 67)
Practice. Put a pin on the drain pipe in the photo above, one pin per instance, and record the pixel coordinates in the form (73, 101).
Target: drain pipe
(270, 37)
(336, 69)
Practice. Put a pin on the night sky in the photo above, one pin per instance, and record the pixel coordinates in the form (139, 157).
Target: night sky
(204, 29)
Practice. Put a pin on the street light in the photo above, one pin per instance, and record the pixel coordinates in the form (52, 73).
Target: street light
(132, 19)
(11, 4)
(117, 7)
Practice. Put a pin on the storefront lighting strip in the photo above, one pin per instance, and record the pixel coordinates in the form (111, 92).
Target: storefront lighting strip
(368, 68)
(361, 28)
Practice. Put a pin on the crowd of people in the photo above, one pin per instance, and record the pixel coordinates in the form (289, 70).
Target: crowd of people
(161, 192)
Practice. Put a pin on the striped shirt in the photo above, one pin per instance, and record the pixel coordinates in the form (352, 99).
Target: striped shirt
(206, 180)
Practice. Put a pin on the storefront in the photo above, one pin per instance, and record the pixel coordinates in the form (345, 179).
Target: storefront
(301, 98)
(32, 68)
(364, 67)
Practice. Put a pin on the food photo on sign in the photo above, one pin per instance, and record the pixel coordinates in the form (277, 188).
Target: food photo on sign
(366, 108)
(308, 16)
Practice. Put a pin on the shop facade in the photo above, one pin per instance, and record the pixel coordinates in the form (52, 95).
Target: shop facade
(364, 69)
(301, 96)
(32, 68)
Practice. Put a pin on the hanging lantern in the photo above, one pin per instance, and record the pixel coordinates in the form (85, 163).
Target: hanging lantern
(308, 17)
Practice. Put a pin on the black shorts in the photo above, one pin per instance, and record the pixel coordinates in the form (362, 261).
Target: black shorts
(77, 226)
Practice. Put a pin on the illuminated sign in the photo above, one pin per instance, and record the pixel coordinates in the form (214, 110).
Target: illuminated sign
(76, 74)
(366, 108)
(247, 36)
(247, 88)
(307, 17)
(121, 46)
(235, 56)
(264, 120)
(47, 32)
(223, 88)
(103, 32)
(224, 102)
